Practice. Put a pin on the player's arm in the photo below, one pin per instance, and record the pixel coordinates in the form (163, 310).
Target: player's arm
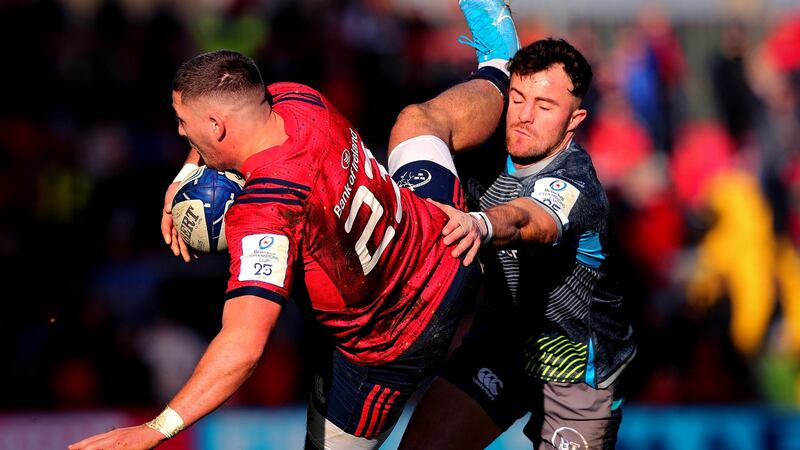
(520, 220)
(168, 230)
(229, 360)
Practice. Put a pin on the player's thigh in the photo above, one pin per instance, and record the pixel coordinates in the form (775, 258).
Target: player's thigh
(481, 392)
(355, 406)
(323, 434)
(448, 418)
(575, 416)
(424, 165)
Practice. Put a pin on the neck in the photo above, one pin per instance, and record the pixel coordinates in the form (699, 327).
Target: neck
(261, 135)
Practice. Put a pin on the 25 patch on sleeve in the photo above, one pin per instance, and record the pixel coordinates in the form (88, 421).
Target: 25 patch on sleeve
(558, 195)
(264, 258)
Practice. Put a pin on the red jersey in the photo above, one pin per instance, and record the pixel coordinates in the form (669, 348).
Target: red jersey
(370, 253)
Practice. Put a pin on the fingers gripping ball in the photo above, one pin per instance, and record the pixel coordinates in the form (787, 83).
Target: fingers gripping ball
(199, 207)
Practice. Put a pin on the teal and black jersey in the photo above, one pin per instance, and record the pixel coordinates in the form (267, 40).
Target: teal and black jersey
(563, 298)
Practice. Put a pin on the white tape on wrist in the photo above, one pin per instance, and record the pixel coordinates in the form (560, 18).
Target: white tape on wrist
(185, 171)
(487, 223)
(169, 423)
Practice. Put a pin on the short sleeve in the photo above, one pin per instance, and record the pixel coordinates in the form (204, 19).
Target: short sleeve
(264, 234)
(558, 195)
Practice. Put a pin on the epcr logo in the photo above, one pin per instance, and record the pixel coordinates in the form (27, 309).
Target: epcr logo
(558, 185)
(266, 242)
(568, 439)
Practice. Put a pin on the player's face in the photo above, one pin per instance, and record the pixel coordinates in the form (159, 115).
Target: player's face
(542, 114)
(194, 124)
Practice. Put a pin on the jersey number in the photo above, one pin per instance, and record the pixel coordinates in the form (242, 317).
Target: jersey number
(364, 196)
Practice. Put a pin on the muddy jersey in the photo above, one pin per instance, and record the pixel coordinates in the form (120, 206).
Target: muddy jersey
(320, 207)
(563, 298)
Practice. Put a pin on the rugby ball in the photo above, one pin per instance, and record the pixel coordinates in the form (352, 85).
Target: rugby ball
(199, 207)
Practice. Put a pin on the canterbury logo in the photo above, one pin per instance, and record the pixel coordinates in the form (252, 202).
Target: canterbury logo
(489, 382)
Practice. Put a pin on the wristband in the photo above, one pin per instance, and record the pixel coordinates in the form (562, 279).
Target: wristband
(169, 423)
(185, 171)
(487, 223)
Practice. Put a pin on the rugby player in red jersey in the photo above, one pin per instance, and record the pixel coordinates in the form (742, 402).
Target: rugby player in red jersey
(318, 211)
(317, 206)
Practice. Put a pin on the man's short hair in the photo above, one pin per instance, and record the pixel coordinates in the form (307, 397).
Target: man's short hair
(218, 72)
(545, 53)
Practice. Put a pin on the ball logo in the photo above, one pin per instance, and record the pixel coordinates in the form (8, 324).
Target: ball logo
(266, 242)
(345, 159)
(188, 223)
(558, 185)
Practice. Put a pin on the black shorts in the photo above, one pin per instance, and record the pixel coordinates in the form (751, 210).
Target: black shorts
(356, 406)
(490, 366)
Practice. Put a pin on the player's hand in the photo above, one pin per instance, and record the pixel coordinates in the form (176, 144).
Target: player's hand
(168, 230)
(140, 437)
(463, 229)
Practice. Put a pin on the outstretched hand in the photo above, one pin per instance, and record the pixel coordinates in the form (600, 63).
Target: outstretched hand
(463, 230)
(139, 437)
(168, 230)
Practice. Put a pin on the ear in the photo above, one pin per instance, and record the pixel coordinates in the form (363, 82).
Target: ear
(217, 125)
(577, 117)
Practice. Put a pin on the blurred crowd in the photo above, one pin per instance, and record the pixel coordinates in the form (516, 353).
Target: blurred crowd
(694, 129)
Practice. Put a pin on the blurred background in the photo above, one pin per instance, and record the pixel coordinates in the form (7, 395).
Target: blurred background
(694, 127)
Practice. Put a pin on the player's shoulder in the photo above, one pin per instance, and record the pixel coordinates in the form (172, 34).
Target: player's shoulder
(289, 86)
(290, 91)
(283, 176)
(574, 165)
(574, 159)
(281, 190)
